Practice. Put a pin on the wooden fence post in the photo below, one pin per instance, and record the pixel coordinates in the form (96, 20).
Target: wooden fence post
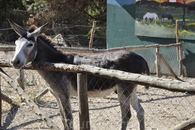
(21, 78)
(177, 32)
(92, 34)
(180, 55)
(83, 102)
(177, 39)
(179, 49)
(157, 62)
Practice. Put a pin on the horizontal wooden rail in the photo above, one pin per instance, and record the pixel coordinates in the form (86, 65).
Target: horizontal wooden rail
(86, 50)
(137, 47)
(7, 48)
(172, 85)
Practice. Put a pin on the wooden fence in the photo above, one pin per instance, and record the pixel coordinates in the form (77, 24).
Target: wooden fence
(157, 47)
(172, 85)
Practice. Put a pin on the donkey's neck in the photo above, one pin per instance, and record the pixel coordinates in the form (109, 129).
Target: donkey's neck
(48, 53)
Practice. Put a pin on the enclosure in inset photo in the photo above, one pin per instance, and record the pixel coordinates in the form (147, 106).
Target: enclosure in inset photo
(157, 18)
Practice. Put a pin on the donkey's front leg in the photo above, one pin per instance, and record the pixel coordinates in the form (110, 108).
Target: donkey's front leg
(66, 112)
(64, 107)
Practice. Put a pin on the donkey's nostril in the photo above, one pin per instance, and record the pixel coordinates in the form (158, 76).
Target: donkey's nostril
(18, 62)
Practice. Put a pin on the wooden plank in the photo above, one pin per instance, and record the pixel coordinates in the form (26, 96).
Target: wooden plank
(168, 66)
(83, 102)
(42, 93)
(7, 48)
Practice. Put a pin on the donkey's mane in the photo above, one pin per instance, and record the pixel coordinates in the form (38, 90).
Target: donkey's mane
(48, 40)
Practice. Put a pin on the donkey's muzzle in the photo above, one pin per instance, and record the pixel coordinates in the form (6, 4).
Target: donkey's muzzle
(16, 63)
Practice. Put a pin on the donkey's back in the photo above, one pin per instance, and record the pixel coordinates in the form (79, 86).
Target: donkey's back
(120, 60)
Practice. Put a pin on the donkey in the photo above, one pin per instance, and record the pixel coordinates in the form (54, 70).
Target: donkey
(34, 46)
(152, 16)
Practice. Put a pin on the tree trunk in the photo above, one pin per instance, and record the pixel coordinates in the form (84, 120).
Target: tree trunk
(172, 85)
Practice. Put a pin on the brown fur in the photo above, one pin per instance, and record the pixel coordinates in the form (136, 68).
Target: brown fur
(32, 28)
(44, 37)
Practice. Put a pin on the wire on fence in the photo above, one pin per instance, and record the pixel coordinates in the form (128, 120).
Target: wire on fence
(169, 106)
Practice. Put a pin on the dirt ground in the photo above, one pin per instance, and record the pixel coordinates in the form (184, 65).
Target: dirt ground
(163, 109)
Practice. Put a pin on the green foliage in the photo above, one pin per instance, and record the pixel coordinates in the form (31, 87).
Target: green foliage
(32, 5)
(11, 5)
(97, 12)
(31, 82)
(83, 13)
(60, 14)
(165, 30)
(186, 34)
(154, 30)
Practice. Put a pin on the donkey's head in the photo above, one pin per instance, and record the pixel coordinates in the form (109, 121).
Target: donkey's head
(26, 45)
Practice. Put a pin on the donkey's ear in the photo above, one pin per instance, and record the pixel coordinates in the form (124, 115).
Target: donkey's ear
(40, 29)
(17, 28)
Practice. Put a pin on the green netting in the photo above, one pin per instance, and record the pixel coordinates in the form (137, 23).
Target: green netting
(169, 54)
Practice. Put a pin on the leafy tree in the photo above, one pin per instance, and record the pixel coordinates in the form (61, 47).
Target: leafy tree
(11, 5)
(60, 14)
(73, 12)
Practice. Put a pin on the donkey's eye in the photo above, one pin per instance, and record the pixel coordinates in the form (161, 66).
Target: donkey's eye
(30, 45)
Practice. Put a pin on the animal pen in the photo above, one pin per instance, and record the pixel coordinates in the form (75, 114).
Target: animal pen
(164, 109)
